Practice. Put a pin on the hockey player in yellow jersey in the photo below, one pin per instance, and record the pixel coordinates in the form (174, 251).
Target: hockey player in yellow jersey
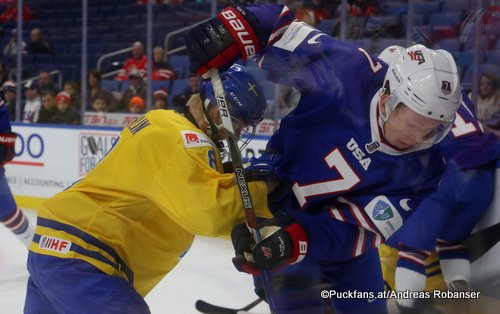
(102, 244)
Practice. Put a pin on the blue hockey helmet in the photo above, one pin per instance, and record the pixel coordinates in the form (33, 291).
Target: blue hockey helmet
(244, 94)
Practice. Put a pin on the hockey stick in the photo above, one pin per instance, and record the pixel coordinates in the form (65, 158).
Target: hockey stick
(208, 308)
(234, 152)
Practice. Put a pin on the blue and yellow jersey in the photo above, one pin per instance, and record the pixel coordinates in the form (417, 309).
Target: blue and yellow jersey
(138, 210)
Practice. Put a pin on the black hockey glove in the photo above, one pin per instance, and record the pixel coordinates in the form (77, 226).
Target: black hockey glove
(279, 246)
(7, 147)
(221, 40)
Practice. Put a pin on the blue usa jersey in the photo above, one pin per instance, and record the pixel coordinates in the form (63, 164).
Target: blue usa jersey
(331, 146)
(467, 145)
(462, 196)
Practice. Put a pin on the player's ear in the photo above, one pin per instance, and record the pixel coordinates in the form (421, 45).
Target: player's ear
(382, 102)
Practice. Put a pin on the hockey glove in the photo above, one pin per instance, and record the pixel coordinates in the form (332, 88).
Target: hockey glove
(221, 40)
(279, 247)
(7, 147)
(265, 168)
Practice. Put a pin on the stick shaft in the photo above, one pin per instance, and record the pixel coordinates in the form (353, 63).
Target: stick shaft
(234, 152)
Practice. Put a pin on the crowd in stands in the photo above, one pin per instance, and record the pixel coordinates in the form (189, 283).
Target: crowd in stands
(371, 24)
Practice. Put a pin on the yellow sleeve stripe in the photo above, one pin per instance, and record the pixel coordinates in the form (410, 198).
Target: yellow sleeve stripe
(82, 243)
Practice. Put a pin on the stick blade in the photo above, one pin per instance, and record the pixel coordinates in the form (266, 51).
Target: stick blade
(207, 308)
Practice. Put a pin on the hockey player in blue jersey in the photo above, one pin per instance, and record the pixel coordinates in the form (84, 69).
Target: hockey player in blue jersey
(445, 219)
(11, 216)
(357, 152)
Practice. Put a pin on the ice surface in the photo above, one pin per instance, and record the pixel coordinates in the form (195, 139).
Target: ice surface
(205, 272)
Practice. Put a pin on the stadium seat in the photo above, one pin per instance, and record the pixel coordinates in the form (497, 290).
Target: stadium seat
(44, 59)
(177, 87)
(124, 85)
(394, 8)
(418, 20)
(160, 84)
(484, 42)
(180, 64)
(383, 43)
(450, 44)
(455, 6)
(365, 43)
(111, 85)
(493, 57)
(427, 7)
(326, 26)
(443, 32)
(445, 19)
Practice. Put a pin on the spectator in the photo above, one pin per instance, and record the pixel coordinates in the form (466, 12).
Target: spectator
(100, 103)
(322, 9)
(162, 70)
(160, 99)
(95, 88)
(137, 62)
(136, 105)
(488, 98)
(4, 73)
(65, 113)
(45, 83)
(73, 89)
(32, 104)
(303, 13)
(48, 108)
(180, 100)
(11, 47)
(137, 87)
(10, 13)
(9, 96)
(37, 45)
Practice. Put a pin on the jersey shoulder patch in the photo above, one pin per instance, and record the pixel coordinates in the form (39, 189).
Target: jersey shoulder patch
(195, 139)
(295, 35)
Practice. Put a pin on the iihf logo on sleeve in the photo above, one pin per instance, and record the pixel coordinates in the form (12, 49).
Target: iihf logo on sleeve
(54, 244)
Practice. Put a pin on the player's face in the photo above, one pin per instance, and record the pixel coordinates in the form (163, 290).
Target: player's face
(406, 128)
(238, 125)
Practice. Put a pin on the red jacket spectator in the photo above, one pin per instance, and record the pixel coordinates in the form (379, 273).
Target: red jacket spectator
(137, 62)
(161, 69)
(10, 13)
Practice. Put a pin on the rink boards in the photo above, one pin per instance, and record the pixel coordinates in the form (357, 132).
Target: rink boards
(50, 158)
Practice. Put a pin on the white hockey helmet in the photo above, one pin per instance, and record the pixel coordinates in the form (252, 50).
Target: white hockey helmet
(426, 81)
